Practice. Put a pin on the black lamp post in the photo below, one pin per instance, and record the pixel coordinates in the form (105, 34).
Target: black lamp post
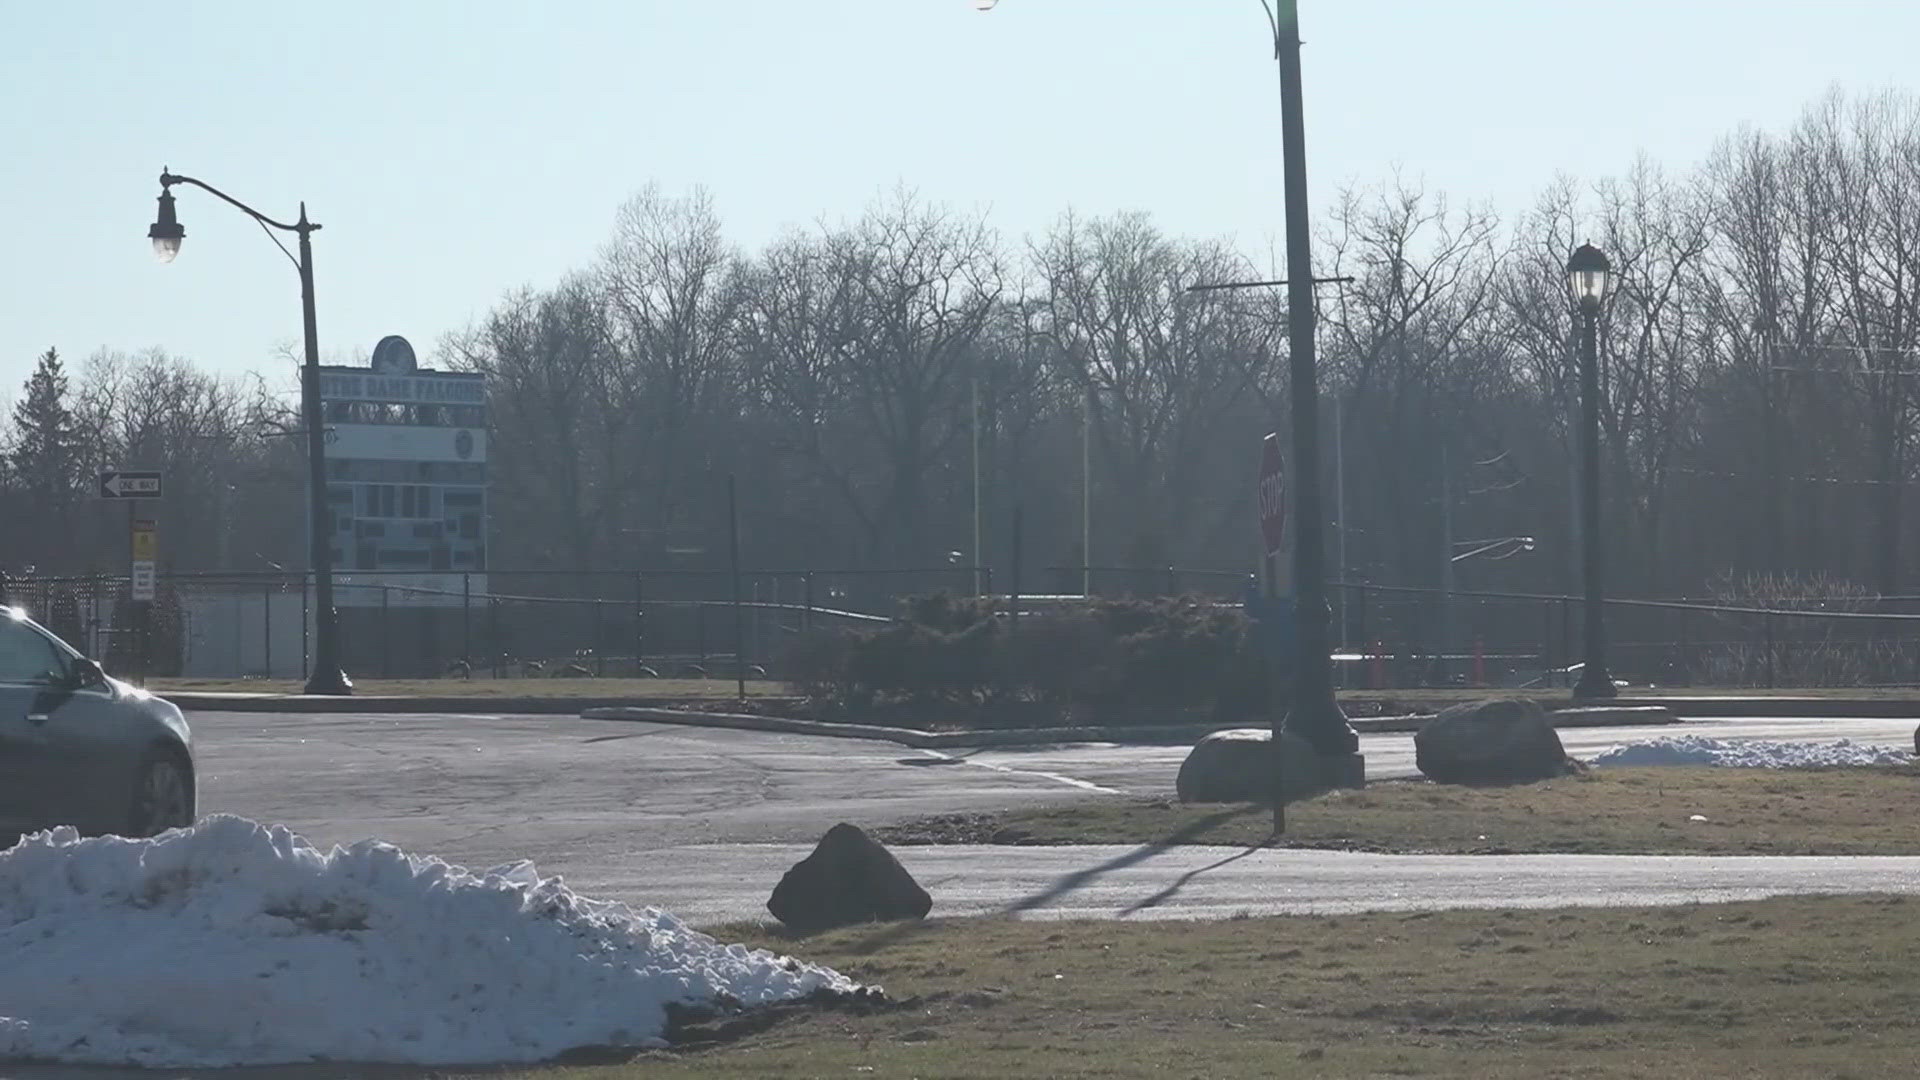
(166, 234)
(1314, 714)
(1588, 276)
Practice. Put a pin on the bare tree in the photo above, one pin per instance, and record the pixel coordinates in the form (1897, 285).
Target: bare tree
(1159, 374)
(674, 287)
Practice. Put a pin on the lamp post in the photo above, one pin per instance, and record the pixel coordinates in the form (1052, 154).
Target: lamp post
(1313, 715)
(1588, 276)
(166, 234)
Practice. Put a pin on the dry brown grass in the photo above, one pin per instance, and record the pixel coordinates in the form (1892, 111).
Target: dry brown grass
(1794, 987)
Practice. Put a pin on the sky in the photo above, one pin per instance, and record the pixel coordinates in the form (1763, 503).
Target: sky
(454, 152)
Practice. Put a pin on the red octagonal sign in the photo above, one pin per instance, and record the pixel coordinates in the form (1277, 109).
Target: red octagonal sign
(1273, 495)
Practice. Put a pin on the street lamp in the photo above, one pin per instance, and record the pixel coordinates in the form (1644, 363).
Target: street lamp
(166, 234)
(1588, 277)
(1507, 546)
(1313, 714)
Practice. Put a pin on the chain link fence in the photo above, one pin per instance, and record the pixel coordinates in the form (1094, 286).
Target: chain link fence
(682, 623)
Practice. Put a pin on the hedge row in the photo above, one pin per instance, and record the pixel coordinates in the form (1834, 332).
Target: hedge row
(1111, 660)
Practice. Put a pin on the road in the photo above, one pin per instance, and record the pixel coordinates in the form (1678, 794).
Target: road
(704, 819)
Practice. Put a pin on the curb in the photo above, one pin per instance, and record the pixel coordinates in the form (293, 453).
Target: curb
(1765, 706)
(1579, 716)
(1596, 716)
(320, 703)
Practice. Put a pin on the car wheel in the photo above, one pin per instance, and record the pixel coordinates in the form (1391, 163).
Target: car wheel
(162, 795)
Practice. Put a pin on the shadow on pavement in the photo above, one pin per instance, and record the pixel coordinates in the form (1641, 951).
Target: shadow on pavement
(1079, 878)
(1170, 891)
(942, 758)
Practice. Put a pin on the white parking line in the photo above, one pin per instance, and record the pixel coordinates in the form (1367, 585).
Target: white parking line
(1056, 777)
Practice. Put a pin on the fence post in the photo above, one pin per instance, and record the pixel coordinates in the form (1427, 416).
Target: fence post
(1566, 643)
(266, 627)
(599, 653)
(639, 622)
(700, 630)
(806, 602)
(756, 624)
(1013, 595)
(386, 636)
(1360, 616)
(466, 618)
(305, 615)
(733, 558)
(1686, 651)
(1768, 620)
(493, 634)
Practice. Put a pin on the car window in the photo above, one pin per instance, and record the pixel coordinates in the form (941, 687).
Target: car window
(27, 657)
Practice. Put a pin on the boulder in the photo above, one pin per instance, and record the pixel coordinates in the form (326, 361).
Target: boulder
(1491, 742)
(850, 878)
(1237, 766)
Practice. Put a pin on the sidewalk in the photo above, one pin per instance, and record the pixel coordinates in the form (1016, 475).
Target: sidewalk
(706, 884)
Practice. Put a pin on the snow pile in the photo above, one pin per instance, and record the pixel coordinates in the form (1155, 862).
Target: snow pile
(1750, 753)
(236, 944)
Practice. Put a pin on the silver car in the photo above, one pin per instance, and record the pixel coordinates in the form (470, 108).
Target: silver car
(78, 748)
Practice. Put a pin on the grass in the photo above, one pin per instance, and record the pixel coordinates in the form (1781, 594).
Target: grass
(1855, 811)
(1799, 987)
(479, 687)
(1789, 987)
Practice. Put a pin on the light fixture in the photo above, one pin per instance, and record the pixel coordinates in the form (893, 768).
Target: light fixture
(167, 231)
(1588, 276)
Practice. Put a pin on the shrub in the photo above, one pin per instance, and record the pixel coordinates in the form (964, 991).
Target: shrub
(819, 665)
(1112, 660)
(1799, 650)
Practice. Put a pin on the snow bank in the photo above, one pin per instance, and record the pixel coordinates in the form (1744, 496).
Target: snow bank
(236, 944)
(1750, 753)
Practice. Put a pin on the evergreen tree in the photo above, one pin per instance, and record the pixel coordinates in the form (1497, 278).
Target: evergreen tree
(46, 449)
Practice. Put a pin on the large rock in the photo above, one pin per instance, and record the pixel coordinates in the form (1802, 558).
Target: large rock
(1237, 766)
(1491, 742)
(850, 878)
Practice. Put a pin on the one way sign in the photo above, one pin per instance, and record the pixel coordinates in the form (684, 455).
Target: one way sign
(120, 484)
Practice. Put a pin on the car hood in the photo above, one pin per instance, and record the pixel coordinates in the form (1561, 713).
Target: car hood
(162, 710)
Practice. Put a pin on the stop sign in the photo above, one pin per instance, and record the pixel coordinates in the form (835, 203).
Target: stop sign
(1273, 495)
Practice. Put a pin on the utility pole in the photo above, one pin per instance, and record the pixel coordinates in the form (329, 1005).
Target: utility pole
(1086, 493)
(1340, 508)
(1447, 579)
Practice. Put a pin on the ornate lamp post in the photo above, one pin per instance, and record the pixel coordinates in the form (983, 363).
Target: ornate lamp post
(166, 234)
(1588, 277)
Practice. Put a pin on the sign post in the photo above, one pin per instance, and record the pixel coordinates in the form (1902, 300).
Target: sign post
(145, 545)
(142, 550)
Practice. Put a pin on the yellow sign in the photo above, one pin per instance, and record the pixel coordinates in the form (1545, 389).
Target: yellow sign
(145, 541)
